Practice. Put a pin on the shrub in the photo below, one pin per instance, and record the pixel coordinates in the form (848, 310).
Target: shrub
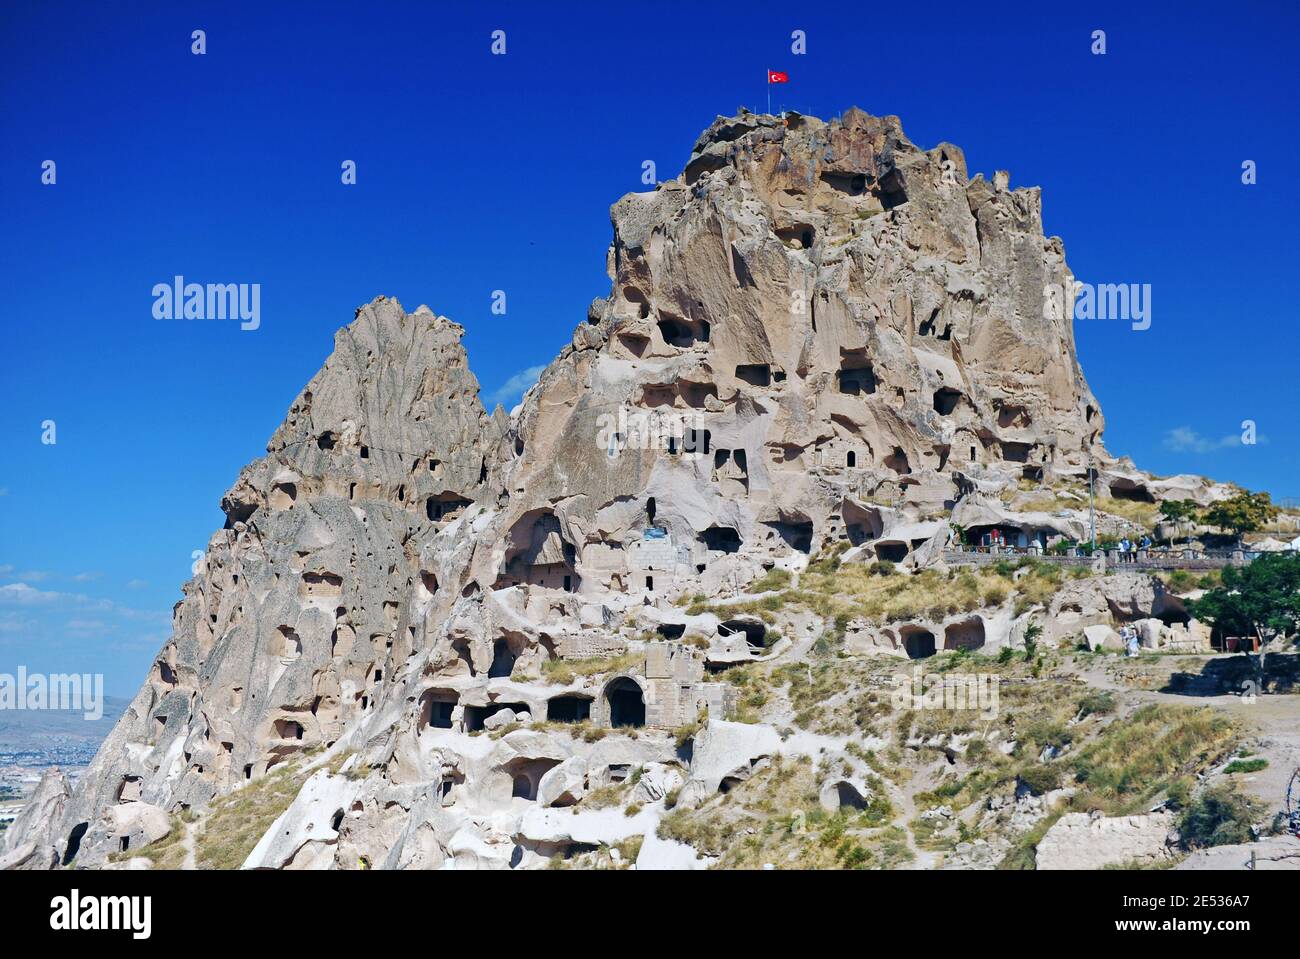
(1039, 779)
(1245, 766)
(1218, 817)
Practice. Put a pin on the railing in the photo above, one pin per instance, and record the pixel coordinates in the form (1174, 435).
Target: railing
(1165, 558)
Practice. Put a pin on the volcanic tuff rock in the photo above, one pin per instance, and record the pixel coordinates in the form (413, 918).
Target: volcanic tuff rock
(830, 334)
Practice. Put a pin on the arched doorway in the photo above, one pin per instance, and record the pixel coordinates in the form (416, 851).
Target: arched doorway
(625, 702)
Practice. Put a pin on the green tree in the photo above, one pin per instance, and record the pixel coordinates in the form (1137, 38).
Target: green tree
(1179, 511)
(1243, 513)
(1262, 599)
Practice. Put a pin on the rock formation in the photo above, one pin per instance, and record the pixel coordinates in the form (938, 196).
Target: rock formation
(818, 334)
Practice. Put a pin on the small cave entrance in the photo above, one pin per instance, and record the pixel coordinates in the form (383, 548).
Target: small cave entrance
(860, 525)
(722, 538)
(287, 729)
(525, 776)
(129, 789)
(503, 660)
(1016, 452)
(671, 630)
(946, 400)
(859, 380)
(74, 842)
(967, 634)
(755, 633)
(848, 797)
(803, 233)
(918, 642)
(436, 707)
(286, 643)
(755, 374)
(897, 461)
(429, 582)
(683, 333)
(445, 506)
(1125, 489)
(894, 551)
(798, 535)
(568, 709)
(476, 715)
(626, 702)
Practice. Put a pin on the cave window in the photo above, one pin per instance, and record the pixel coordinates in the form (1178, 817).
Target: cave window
(650, 509)
(722, 538)
(436, 707)
(522, 787)
(919, 644)
(365, 452)
(650, 583)
(325, 441)
(755, 374)
(336, 822)
(946, 400)
(972, 454)
(248, 771)
(851, 459)
(568, 584)
(857, 380)
(568, 709)
(503, 660)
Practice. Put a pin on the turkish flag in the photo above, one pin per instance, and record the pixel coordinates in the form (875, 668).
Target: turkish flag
(775, 76)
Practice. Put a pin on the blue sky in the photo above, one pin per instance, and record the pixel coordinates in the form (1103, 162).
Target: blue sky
(478, 172)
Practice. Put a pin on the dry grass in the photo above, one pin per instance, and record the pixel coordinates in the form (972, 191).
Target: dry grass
(774, 817)
(238, 820)
(566, 671)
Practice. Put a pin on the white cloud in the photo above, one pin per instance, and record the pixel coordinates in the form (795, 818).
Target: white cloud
(1184, 439)
(515, 387)
(136, 584)
(20, 594)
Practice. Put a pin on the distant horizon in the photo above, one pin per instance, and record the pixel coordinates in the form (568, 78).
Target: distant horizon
(477, 173)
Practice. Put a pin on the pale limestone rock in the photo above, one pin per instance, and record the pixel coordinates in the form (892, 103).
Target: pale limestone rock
(1089, 841)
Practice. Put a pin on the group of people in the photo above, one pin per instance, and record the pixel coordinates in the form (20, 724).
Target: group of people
(1131, 640)
(1128, 549)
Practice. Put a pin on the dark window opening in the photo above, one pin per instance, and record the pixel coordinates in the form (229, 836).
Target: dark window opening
(946, 400)
(857, 380)
(365, 452)
(755, 374)
(503, 661)
(475, 715)
(755, 633)
(445, 505)
(74, 842)
(722, 538)
(798, 536)
(851, 459)
(326, 441)
(436, 707)
(671, 630)
(919, 643)
(568, 709)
